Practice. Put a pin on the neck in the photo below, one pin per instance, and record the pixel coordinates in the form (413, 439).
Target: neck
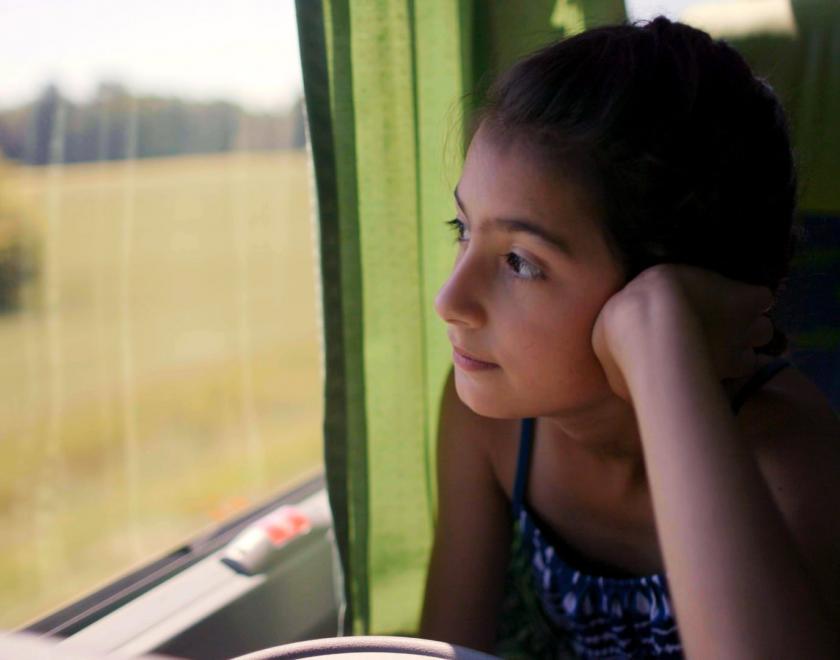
(604, 433)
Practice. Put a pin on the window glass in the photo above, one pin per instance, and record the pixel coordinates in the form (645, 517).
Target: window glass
(159, 342)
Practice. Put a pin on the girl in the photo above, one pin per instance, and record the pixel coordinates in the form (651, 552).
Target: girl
(618, 432)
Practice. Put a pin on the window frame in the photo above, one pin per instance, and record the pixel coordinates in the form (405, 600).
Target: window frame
(90, 608)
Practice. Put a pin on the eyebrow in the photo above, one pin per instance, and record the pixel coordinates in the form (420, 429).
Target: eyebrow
(514, 225)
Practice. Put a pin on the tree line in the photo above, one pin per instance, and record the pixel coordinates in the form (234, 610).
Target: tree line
(115, 125)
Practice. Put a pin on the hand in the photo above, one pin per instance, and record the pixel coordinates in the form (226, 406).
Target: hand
(726, 316)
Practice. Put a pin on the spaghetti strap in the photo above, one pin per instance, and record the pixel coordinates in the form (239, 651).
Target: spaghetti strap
(758, 379)
(523, 462)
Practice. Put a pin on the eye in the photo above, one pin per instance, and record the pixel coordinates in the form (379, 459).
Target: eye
(459, 229)
(523, 268)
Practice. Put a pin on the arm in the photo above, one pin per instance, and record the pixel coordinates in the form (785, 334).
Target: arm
(741, 584)
(465, 581)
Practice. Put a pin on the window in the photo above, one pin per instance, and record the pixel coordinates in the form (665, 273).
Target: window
(159, 342)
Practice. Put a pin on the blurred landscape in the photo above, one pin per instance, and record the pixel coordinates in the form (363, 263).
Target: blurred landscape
(159, 341)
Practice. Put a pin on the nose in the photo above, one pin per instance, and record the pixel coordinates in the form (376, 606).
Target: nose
(460, 299)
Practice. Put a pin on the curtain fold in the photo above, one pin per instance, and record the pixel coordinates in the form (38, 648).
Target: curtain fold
(325, 61)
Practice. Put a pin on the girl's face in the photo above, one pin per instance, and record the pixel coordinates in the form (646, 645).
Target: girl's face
(532, 273)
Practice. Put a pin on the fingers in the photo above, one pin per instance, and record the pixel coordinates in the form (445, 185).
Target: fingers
(763, 299)
(742, 360)
(743, 364)
(760, 332)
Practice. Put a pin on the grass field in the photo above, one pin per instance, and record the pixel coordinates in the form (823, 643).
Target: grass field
(164, 372)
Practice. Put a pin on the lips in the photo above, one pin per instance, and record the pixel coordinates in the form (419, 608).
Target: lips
(470, 360)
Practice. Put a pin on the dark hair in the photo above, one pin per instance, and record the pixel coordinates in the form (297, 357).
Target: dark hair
(685, 151)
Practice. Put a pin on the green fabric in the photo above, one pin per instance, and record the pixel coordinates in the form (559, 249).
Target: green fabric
(329, 104)
(388, 86)
(383, 81)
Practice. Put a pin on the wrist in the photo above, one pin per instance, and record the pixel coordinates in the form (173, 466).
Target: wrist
(660, 362)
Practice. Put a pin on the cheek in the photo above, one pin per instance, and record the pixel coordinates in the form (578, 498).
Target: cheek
(561, 324)
(559, 347)
(556, 353)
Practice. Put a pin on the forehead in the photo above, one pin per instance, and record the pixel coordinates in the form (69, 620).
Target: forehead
(509, 178)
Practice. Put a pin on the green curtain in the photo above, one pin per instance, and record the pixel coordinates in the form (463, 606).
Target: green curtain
(388, 85)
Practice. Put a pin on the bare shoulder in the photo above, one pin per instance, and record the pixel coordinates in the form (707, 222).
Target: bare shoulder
(790, 423)
(477, 439)
(789, 400)
(795, 436)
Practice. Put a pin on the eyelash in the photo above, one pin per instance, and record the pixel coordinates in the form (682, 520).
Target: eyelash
(458, 227)
(513, 260)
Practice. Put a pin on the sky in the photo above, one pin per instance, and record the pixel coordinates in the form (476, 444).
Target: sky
(245, 51)
(646, 9)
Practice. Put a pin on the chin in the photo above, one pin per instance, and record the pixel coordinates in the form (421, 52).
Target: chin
(489, 399)
(483, 401)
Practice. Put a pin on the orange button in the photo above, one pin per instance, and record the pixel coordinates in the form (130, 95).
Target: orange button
(285, 524)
